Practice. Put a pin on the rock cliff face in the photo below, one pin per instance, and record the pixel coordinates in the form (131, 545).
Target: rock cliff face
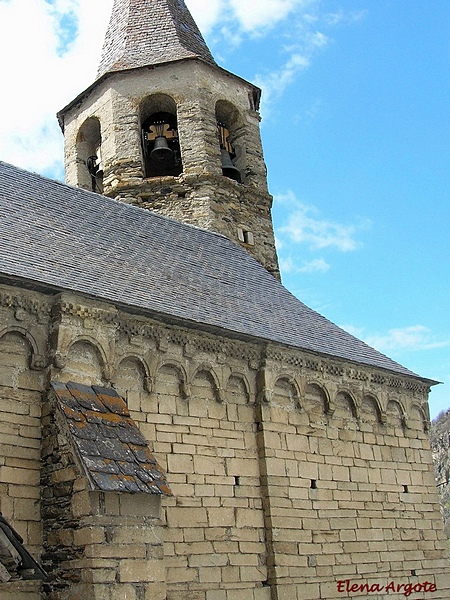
(440, 446)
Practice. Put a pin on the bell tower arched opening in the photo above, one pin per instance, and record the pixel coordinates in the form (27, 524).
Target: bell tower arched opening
(160, 144)
(89, 160)
(230, 130)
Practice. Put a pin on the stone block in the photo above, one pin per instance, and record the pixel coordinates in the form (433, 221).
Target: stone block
(119, 592)
(221, 517)
(140, 505)
(187, 517)
(19, 476)
(243, 467)
(137, 570)
(181, 575)
(155, 591)
(88, 535)
(180, 463)
(249, 518)
(216, 595)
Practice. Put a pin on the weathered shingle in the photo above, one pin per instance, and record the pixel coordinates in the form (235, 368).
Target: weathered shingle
(113, 451)
(79, 241)
(150, 32)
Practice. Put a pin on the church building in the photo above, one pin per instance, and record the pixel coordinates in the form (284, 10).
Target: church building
(174, 423)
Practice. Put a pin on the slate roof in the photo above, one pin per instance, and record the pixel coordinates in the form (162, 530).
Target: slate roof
(69, 239)
(112, 450)
(150, 32)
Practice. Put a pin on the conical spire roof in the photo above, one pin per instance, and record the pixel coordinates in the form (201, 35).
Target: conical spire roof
(150, 32)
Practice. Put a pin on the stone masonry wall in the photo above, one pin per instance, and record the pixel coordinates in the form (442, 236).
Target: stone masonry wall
(294, 477)
(22, 333)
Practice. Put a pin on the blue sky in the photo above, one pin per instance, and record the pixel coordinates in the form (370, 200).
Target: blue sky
(355, 128)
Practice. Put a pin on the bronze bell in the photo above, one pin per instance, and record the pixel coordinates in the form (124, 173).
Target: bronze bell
(228, 169)
(161, 150)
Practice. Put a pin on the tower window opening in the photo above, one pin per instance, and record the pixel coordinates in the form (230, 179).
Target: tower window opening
(161, 146)
(245, 236)
(227, 154)
(89, 159)
(95, 167)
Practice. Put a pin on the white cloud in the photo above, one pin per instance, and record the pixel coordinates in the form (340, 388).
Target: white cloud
(415, 337)
(303, 227)
(291, 265)
(207, 14)
(257, 14)
(411, 338)
(45, 66)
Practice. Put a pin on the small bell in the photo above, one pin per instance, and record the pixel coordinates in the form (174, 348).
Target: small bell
(228, 169)
(161, 150)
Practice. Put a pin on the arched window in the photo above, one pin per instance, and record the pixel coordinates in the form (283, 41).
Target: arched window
(160, 144)
(90, 166)
(230, 132)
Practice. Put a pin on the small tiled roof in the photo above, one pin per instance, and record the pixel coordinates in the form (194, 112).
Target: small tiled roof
(150, 32)
(66, 238)
(113, 451)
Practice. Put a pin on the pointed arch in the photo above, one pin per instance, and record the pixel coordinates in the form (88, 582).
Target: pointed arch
(15, 357)
(131, 379)
(418, 419)
(132, 356)
(34, 347)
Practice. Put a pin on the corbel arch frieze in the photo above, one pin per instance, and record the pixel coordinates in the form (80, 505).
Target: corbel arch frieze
(185, 380)
(349, 396)
(395, 407)
(316, 384)
(249, 389)
(293, 383)
(422, 415)
(104, 360)
(149, 380)
(372, 400)
(217, 384)
(38, 355)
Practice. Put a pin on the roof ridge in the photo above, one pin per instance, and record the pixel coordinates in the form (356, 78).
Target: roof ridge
(150, 32)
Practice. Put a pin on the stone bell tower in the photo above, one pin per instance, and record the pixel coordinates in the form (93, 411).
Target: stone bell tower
(165, 128)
